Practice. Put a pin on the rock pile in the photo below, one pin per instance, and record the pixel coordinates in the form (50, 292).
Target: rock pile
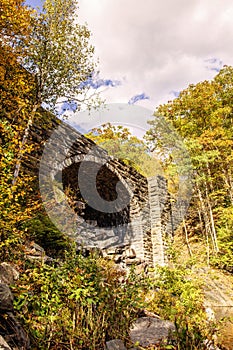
(125, 256)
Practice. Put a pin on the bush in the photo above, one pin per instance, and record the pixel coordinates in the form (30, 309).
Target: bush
(176, 294)
(79, 304)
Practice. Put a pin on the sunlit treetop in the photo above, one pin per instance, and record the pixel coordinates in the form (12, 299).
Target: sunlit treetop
(59, 54)
(15, 20)
(121, 144)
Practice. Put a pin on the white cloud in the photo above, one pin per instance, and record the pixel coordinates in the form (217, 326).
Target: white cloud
(158, 46)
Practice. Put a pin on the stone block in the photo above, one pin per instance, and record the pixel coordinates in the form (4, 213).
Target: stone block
(130, 253)
(129, 261)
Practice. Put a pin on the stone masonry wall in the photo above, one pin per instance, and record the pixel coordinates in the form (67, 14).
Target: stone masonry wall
(141, 226)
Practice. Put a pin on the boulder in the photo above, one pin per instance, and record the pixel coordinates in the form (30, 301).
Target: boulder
(6, 298)
(8, 273)
(34, 252)
(115, 344)
(150, 331)
(130, 253)
(14, 334)
(10, 328)
(3, 344)
(131, 261)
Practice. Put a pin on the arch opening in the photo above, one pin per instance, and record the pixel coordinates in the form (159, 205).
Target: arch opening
(106, 182)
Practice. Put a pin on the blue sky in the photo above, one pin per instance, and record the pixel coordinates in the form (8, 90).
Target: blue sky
(150, 50)
(34, 3)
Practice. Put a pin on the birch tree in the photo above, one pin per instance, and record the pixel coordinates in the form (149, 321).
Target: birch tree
(60, 59)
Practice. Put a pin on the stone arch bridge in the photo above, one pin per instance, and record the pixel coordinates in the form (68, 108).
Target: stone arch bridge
(142, 223)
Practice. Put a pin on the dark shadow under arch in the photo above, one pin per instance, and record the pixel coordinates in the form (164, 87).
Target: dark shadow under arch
(106, 186)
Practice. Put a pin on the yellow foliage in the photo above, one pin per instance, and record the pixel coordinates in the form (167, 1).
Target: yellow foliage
(14, 20)
(16, 88)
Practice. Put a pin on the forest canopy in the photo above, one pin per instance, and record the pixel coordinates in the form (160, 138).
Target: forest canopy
(203, 115)
(72, 301)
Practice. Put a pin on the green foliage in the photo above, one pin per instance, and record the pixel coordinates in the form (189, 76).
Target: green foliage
(58, 58)
(224, 259)
(202, 116)
(177, 291)
(120, 143)
(78, 304)
(15, 201)
(41, 230)
(176, 294)
(59, 55)
(171, 149)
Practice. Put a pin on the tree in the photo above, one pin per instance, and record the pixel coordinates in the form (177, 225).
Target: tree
(15, 89)
(59, 58)
(14, 20)
(59, 55)
(120, 143)
(30, 75)
(202, 115)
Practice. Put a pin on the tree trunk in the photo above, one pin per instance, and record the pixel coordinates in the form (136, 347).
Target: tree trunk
(229, 183)
(213, 230)
(206, 237)
(186, 239)
(24, 141)
(204, 210)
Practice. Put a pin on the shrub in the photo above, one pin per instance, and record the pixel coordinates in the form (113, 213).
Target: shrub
(79, 304)
(176, 294)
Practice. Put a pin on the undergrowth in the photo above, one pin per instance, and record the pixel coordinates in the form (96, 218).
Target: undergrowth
(82, 302)
(79, 303)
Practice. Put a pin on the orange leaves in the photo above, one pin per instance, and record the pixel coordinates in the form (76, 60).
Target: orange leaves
(15, 84)
(14, 20)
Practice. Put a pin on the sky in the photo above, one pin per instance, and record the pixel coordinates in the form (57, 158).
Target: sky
(150, 50)
(155, 48)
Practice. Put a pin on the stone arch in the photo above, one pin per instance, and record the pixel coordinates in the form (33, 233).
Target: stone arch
(139, 224)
